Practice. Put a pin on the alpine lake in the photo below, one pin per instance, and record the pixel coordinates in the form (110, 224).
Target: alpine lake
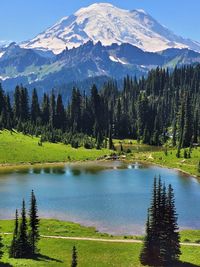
(112, 196)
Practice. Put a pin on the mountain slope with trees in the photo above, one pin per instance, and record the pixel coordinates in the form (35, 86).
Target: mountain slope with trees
(164, 106)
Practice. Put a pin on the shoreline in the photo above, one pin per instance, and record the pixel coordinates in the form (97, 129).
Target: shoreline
(171, 168)
(107, 163)
(96, 229)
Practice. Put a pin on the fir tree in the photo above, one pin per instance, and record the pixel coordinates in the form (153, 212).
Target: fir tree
(34, 224)
(14, 249)
(146, 253)
(188, 123)
(74, 257)
(178, 153)
(162, 244)
(45, 109)
(2, 99)
(172, 238)
(110, 146)
(60, 113)
(23, 244)
(35, 108)
(52, 113)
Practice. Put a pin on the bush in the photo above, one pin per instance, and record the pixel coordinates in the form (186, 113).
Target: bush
(87, 145)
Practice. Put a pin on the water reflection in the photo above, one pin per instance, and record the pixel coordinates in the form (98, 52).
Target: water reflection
(136, 166)
(76, 172)
(47, 170)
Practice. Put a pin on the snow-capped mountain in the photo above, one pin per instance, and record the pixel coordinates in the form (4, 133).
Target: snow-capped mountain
(108, 24)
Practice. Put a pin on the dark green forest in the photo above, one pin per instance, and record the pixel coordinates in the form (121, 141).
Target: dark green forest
(163, 106)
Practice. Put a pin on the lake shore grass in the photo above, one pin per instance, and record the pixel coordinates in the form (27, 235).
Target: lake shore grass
(169, 160)
(57, 252)
(22, 151)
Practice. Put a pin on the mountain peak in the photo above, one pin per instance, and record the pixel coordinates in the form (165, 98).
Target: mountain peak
(99, 5)
(141, 11)
(109, 24)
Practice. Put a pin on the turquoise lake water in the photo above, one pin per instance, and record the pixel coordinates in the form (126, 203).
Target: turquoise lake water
(114, 198)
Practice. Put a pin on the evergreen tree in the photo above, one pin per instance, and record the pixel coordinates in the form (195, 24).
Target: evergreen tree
(111, 146)
(24, 105)
(35, 107)
(52, 114)
(188, 123)
(9, 113)
(17, 104)
(45, 109)
(60, 113)
(74, 257)
(178, 154)
(14, 249)
(2, 99)
(75, 111)
(172, 238)
(23, 244)
(146, 253)
(34, 224)
(162, 245)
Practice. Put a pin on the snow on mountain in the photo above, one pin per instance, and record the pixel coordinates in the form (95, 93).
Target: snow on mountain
(118, 60)
(3, 46)
(4, 43)
(109, 24)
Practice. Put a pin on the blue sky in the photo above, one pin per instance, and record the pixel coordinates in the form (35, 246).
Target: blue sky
(23, 19)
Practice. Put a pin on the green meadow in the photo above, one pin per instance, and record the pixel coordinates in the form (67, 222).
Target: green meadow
(16, 148)
(57, 252)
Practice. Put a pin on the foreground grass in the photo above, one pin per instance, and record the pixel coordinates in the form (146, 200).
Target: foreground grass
(17, 148)
(93, 254)
(57, 252)
(90, 254)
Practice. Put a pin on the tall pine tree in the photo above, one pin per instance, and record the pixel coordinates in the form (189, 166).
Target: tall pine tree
(23, 244)
(14, 249)
(162, 243)
(34, 224)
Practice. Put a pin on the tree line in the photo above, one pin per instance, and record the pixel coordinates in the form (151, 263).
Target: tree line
(163, 106)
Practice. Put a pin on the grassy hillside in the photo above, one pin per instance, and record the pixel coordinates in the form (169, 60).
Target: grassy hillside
(17, 148)
(57, 252)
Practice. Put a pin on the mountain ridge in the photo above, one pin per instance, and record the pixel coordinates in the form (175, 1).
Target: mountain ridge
(27, 66)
